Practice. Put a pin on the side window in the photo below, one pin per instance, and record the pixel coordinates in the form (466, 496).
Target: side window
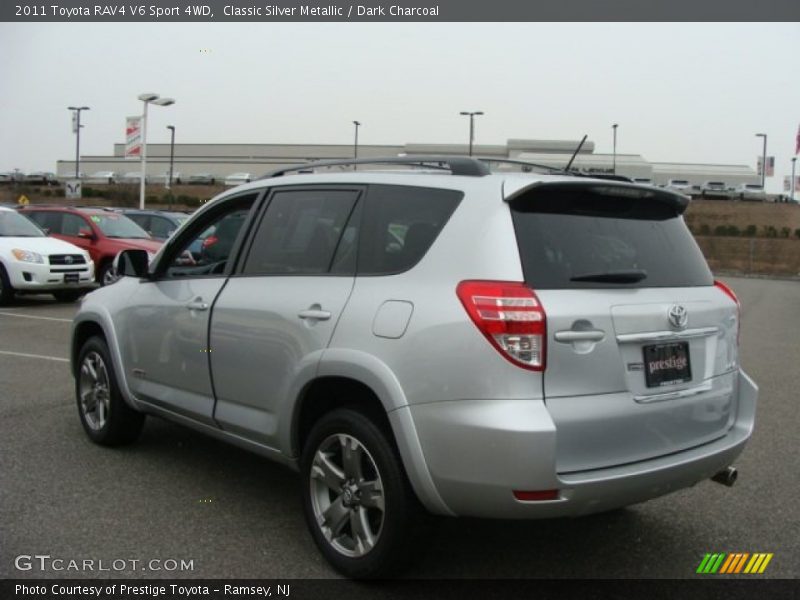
(72, 224)
(142, 221)
(400, 224)
(49, 221)
(161, 228)
(300, 233)
(211, 241)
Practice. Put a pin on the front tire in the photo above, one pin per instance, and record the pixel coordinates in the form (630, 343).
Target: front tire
(107, 274)
(105, 416)
(358, 504)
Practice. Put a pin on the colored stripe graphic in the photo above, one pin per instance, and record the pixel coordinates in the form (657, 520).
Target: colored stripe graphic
(734, 563)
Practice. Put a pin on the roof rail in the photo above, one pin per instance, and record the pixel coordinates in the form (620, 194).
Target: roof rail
(457, 165)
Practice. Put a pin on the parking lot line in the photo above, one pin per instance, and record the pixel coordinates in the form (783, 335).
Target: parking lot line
(24, 355)
(9, 314)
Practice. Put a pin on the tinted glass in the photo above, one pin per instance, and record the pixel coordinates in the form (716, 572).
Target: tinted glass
(400, 224)
(49, 221)
(161, 227)
(73, 224)
(562, 236)
(300, 232)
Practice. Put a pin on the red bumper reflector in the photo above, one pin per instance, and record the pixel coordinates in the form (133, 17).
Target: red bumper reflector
(536, 496)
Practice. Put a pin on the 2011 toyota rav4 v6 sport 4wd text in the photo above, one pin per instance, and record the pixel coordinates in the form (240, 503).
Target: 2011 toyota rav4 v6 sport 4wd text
(455, 342)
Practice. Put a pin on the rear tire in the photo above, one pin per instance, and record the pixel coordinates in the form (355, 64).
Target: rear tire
(6, 291)
(105, 416)
(358, 503)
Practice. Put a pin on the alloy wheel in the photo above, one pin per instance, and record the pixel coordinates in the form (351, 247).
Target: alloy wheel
(347, 495)
(94, 391)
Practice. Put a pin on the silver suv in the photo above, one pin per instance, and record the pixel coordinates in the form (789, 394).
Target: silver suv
(448, 341)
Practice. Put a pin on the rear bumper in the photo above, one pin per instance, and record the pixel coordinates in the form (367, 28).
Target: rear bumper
(478, 451)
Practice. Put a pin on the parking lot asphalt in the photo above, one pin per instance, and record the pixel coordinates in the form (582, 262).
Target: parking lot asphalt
(179, 495)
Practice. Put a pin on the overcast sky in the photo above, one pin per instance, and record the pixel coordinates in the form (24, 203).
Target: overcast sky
(680, 92)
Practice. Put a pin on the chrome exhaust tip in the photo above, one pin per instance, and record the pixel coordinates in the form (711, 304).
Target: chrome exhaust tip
(726, 477)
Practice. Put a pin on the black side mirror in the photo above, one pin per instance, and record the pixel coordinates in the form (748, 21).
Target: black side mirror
(132, 263)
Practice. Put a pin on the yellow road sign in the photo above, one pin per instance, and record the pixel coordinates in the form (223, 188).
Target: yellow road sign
(23, 200)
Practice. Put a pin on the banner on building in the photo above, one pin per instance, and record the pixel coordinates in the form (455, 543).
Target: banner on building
(74, 121)
(787, 184)
(133, 137)
(770, 166)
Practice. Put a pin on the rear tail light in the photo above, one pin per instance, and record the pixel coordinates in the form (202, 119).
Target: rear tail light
(511, 317)
(729, 292)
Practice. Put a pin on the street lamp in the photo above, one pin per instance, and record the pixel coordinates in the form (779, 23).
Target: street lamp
(794, 160)
(77, 113)
(614, 156)
(471, 116)
(148, 98)
(355, 144)
(763, 162)
(171, 156)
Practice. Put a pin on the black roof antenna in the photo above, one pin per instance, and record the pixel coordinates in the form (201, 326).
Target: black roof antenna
(574, 154)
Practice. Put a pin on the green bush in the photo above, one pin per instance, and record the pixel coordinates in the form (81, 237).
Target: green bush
(47, 193)
(786, 232)
(705, 229)
(797, 233)
(769, 231)
(751, 231)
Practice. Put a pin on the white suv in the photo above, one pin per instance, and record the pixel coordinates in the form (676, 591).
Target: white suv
(31, 262)
(452, 341)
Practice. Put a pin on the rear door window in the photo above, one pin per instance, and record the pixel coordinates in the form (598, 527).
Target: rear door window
(400, 224)
(301, 231)
(573, 239)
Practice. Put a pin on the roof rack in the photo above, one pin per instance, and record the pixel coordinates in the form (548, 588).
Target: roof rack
(457, 165)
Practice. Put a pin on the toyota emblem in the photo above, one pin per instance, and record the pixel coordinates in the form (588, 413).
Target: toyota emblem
(678, 316)
(68, 260)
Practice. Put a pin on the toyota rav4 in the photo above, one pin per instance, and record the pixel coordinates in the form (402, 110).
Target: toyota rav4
(441, 340)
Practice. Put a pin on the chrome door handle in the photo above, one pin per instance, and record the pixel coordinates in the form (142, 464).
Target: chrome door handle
(197, 304)
(314, 314)
(569, 336)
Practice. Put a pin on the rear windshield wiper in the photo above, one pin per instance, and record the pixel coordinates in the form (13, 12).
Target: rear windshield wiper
(623, 276)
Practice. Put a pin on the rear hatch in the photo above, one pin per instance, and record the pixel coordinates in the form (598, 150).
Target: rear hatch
(641, 344)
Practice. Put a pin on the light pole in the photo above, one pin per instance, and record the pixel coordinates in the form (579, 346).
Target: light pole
(77, 111)
(171, 155)
(471, 116)
(763, 162)
(614, 156)
(794, 160)
(357, 124)
(148, 98)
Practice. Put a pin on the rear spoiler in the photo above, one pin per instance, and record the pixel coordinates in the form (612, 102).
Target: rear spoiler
(678, 202)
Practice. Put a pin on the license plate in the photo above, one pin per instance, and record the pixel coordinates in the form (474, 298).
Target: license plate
(667, 364)
(71, 277)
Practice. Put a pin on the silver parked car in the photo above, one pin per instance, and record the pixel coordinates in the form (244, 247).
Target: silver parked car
(750, 191)
(448, 341)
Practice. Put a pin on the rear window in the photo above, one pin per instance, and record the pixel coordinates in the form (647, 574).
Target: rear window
(573, 239)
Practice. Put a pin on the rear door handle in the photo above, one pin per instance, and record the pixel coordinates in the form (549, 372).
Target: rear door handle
(197, 304)
(569, 336)
(314, 314)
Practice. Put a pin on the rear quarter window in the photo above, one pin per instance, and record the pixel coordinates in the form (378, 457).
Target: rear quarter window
(400, 224)
(567, 235)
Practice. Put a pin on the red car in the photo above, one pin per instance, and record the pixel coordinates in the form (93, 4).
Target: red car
(102, 233)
